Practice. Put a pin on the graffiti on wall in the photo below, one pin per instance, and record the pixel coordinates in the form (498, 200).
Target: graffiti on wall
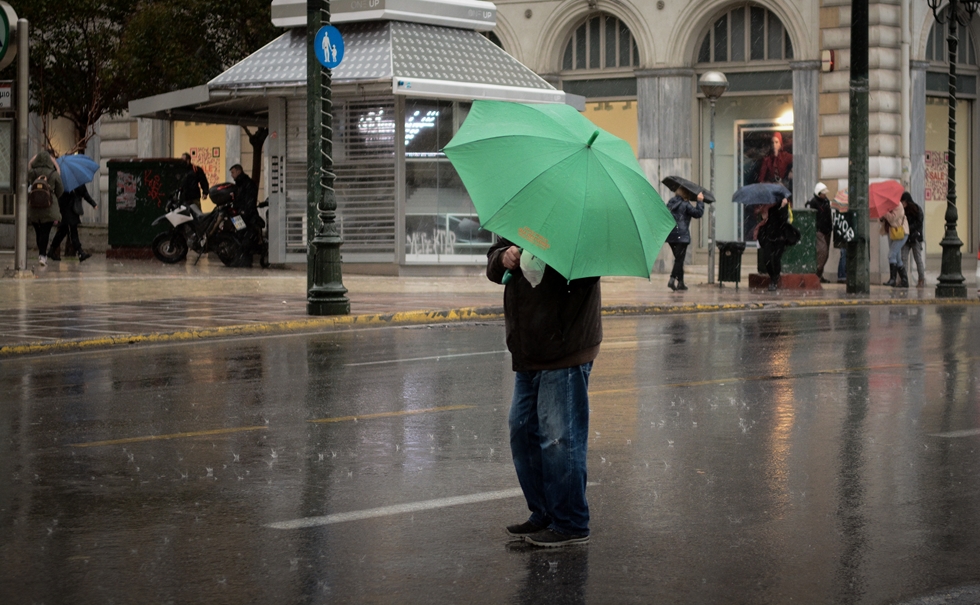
(209, 159)
(936, 176)
(439, 241)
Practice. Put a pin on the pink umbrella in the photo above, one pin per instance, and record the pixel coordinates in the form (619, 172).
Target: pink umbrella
(884, 197)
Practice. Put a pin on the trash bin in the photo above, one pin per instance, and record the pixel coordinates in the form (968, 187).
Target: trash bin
(730, 262)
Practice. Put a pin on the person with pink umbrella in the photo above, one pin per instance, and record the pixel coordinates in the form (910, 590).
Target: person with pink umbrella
(884, 203)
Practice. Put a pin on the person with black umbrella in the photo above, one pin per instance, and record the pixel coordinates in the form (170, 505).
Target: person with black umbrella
(683, 206)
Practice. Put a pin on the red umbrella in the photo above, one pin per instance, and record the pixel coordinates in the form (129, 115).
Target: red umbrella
(884, 197)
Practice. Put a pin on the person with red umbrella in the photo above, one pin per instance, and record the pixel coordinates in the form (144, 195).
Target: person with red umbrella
(896, 227)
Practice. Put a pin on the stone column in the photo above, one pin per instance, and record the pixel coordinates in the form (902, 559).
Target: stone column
(665, 105)
(917, 134)
(806, 123)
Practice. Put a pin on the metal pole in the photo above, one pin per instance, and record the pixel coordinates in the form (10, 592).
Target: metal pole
(951, 281)
(711, 207)
(858, 251)
(325, 290)
(20, 249)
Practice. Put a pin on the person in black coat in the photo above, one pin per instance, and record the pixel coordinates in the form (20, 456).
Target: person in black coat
(683, 209)
(194, 184)
(825, 226)
(775, 233)
(70, 204)
(914, 243)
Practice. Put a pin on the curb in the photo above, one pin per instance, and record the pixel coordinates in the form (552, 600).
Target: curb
(432, 317)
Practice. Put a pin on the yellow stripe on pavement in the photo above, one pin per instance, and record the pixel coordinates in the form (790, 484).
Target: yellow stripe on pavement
(239, 429)
(447, 408)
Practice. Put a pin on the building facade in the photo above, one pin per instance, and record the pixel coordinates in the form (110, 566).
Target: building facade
(638, 62)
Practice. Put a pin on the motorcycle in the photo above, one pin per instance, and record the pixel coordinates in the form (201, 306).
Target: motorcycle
(251, 238)
(192, 229)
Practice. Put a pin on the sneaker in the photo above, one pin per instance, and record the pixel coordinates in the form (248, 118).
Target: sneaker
(772, 286)
(553, 539)
(83, 255)
(524, 529)
(42, 260)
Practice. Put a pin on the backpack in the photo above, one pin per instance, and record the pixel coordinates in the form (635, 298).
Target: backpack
(40, 194)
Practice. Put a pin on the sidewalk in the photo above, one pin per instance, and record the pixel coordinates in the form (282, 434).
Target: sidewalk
(72, 305)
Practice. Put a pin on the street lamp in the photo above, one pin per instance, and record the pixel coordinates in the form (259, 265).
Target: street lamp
(713, 84)
(951, 276)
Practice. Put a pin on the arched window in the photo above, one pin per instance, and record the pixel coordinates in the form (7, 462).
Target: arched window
(601, 42)
(936, 46)
(746, 33)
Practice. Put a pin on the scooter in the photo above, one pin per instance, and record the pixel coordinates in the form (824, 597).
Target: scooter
(192, 229)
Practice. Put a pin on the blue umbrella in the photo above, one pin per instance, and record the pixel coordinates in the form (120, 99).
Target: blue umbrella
(761, 193)
(77, 170)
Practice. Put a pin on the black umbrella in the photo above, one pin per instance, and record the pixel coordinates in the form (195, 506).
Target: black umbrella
(761, 193)
(673, 182)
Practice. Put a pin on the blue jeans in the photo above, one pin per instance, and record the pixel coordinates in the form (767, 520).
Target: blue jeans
(842, 264)
(549, 438)
(895, 251)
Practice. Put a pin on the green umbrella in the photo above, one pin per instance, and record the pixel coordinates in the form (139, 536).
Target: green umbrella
(552, 182)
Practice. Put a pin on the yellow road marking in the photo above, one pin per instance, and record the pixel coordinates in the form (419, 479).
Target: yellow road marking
(239, 429)
(447, 408)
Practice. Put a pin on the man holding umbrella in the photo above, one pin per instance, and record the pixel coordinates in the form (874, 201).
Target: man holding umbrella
(553, 330)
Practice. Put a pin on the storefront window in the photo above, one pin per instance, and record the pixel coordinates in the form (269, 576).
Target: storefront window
(441, 224)
(937, 145)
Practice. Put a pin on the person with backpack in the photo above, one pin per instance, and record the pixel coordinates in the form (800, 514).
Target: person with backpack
(70, 204)
(45, 187)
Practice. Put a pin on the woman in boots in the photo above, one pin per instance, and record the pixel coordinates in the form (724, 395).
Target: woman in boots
(683, 209)
(896, 227)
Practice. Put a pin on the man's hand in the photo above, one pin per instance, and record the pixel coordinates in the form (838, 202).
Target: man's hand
(511, 257)
(701, 196)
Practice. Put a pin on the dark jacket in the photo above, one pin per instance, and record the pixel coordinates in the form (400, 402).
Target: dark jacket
(683, 212)
(193, 184)
(914, 215)
(43, 165)
(777, 230)
(71, 202)
(246, 195)
(555, 325)
(825, 223)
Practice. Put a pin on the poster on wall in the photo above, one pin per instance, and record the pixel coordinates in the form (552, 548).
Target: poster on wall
(209, 159)
(765, 155)
(937, 175)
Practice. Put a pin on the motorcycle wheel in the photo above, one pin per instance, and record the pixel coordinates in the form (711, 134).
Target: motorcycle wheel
(169, 248)
(228, 249)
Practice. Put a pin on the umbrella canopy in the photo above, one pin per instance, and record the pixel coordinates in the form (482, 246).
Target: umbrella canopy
(761, 193)
(673, 182)
(884, 197)
(549, 180)
(841, 203)
(77, 170)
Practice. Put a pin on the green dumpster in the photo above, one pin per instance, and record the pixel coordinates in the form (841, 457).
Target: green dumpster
(138, 194)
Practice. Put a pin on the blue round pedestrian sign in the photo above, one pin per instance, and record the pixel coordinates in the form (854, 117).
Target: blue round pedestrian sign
(329, 46)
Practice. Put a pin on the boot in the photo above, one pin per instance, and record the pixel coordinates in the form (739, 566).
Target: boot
(903, 278)
(54, 253)
(670, 283)
(680, 284)
(894, 274)
(83, 255)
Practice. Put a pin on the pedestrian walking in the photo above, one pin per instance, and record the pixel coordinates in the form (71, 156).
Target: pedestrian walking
(70, 204)
(553, 330)
(42, 209)
(896, 227)
(194, 184)
(914, 242)
(683, 206)
(774, 233)
(843, 232)
(824, 224)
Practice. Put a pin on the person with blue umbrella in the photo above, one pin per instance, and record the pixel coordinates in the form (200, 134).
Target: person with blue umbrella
(70, 204)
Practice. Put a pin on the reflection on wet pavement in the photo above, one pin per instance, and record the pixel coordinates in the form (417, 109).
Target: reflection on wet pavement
(818, 456)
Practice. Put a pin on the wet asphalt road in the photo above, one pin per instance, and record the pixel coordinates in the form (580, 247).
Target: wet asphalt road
(810, 456)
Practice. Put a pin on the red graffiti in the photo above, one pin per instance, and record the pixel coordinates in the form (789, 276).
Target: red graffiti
(154, 189)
